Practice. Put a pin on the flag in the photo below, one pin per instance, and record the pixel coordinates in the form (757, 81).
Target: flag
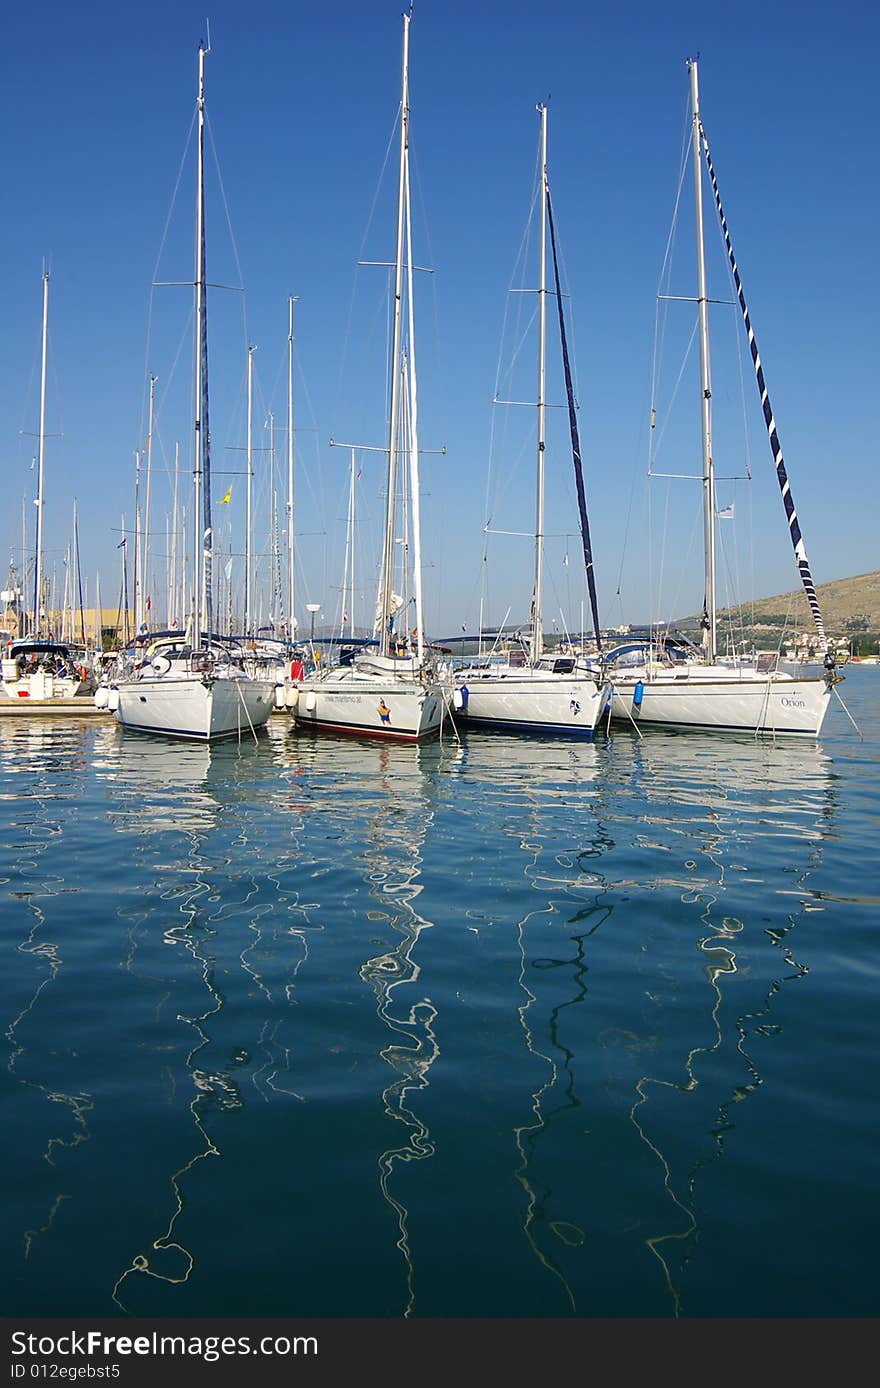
(726, 513)
(149, 602)
(224, 499)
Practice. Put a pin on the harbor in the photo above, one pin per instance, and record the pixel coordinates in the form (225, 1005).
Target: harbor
(439, 776)
(510, 1027)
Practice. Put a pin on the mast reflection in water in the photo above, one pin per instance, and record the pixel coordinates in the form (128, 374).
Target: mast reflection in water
(511, 1028)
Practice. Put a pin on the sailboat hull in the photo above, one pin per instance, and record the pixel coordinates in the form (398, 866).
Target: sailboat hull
(366, 705)
(758, 705)
(532, 703)
(200, 710)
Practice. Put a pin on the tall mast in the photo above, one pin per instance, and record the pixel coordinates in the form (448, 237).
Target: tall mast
(138, 546)
(274, 553)
(537, 600)
(78, 572)
(173, 596)
(348, 568)
(291, 590)
(705, 380)
(201, 591)
(384, 606)
(145, 563)
(38, 565)
(248, 556)
(414, 432)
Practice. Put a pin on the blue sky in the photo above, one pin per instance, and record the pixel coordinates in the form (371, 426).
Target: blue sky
(96, 104)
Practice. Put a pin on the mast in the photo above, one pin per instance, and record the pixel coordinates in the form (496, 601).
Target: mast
(537, 598)
(201, 475)
(384, 605)
(138, 548)
(575, 443)
(711, 634)
(145, 563)
(275, 593)
(791, 515)
(173, 596)
(38, 565)
(248, 556)
(78, 571)
(291, 591)
(348, 567)
(414, 433)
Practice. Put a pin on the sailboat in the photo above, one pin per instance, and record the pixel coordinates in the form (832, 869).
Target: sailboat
(38, 672)
(656, 682)
(538, 691)
(391, 688)
(194, 685)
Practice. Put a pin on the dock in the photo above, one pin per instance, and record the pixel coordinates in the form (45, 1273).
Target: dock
(78, 707)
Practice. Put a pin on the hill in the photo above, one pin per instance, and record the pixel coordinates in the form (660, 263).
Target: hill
(850, 609)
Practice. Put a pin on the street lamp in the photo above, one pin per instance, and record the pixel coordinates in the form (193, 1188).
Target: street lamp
(312, 608)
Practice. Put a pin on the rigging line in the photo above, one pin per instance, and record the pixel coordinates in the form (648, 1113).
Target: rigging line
(661, 316)
(732, 576)
(675, 390)
(427, 234)
(155, 274)
(520, 266)
(737, 337)
(25, 407)
(228, 225)
(343, 358)
(492, 497)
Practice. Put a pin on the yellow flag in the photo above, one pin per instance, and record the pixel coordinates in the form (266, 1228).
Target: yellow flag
(225, 498)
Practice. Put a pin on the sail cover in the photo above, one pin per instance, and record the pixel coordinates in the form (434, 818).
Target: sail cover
(575, 439)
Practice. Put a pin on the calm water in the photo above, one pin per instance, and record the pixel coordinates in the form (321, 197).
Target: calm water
(511, 1028)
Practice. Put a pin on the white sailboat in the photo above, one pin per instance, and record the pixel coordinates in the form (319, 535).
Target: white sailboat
(195, 687)
(653, 683)
(38, 672)
(538, 691)
(390, 690)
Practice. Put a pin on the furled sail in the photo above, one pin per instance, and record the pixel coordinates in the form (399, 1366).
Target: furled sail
(575, 439)
(776, 447)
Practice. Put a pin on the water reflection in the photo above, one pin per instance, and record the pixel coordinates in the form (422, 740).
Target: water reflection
(661, 874)
(43, 767)
(391, 862)
(220, 937)
(556, 787)
(723, 820)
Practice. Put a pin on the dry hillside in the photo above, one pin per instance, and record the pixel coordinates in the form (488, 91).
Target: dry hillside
(841, 602)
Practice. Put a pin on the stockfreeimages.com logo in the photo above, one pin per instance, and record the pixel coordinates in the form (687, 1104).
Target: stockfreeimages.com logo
(92, 1343)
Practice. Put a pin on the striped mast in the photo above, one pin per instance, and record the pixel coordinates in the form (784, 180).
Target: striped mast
(775, 446)
(709, 614)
